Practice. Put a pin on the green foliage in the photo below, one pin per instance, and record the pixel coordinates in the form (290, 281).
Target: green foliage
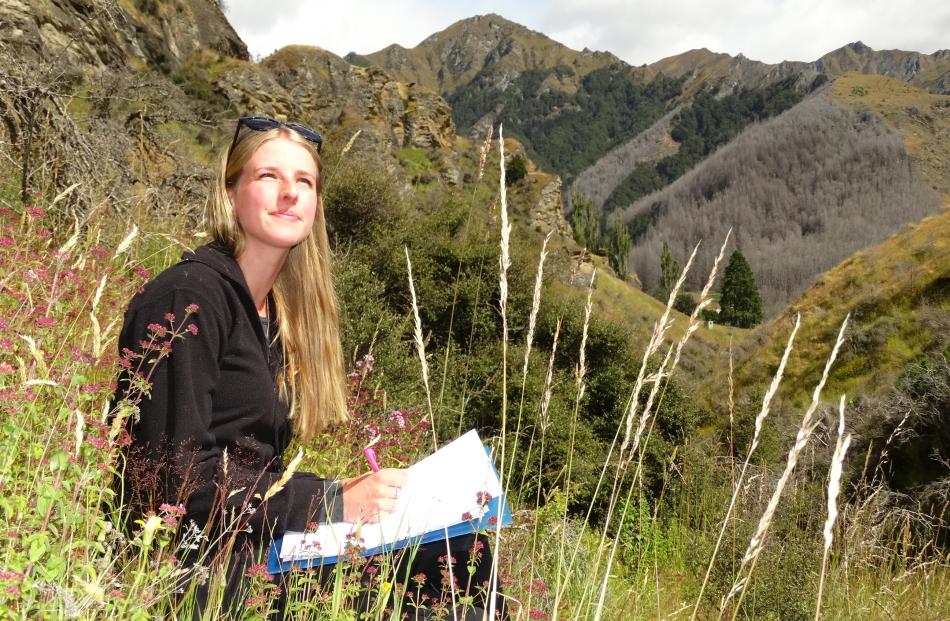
(684, 302)
(516, 169)
(618, 248)
(417, 164)
(740, 303)
(564, 132)
(707, 123)
(585, 223)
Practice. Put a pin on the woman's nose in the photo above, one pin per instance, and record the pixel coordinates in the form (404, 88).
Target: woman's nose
(288, 191)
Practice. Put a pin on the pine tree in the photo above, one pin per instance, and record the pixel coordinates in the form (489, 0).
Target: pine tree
(618, 248)
(740, 304)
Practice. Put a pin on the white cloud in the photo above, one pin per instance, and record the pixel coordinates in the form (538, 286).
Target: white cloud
(639, 32)
(772, 31)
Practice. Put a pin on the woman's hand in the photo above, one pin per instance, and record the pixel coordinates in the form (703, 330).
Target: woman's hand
(372, 496)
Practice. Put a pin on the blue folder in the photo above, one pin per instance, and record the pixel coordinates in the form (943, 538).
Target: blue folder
(494, 508)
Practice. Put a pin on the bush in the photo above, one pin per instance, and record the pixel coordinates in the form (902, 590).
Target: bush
(359, 201)
(516, 170)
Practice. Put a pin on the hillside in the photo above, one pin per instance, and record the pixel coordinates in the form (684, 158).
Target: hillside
(802, 192)
(923, 120)
(598, 181)
(898, 293)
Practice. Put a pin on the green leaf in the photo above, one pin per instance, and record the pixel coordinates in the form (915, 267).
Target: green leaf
(38, 547)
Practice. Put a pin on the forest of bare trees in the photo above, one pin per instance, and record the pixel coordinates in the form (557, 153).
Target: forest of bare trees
(801, 192)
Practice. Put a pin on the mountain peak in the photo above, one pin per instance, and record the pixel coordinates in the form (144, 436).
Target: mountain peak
(489, 46)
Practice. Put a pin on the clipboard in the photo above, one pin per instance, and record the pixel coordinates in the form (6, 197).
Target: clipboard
(445, 482)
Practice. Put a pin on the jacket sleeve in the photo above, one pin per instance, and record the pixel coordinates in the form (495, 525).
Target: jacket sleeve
(176, 454)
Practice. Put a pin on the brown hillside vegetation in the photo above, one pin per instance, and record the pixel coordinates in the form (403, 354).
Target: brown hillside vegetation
(802, 192)
(927, 71)
(922, 118)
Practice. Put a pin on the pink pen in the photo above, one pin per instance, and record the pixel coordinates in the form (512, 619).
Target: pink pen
(371, 454)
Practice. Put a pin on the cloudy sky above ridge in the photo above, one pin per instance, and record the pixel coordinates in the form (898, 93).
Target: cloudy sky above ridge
(638, 31)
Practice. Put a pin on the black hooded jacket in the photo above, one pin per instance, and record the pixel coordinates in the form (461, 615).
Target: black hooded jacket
(215, 393)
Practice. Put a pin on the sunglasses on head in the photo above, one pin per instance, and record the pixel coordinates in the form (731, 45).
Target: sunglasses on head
(264, 123)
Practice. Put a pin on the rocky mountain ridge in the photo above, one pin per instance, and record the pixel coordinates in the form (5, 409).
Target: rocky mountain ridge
(491, 44)
(141, 64)
(704, 68)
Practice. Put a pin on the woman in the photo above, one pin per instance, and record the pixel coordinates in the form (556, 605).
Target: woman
(257, 359)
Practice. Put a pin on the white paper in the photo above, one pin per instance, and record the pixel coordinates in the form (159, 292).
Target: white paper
(439, 491)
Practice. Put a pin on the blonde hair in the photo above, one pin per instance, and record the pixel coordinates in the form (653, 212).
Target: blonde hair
(312, 378)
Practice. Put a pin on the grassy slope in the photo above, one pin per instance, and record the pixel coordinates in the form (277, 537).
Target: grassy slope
(893, 291)
(896, 291)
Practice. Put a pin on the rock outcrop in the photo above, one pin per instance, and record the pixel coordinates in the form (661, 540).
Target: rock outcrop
(317, 87)
(109, 34)
(547, 216)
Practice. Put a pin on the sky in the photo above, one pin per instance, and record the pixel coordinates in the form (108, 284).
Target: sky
(638, 31)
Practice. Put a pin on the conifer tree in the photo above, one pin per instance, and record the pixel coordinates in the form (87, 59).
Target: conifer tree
(740, 304)
(669, 273)
(618, 248)
(585, 223)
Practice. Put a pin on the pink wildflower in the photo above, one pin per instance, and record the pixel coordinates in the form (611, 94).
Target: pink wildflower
(176, 509)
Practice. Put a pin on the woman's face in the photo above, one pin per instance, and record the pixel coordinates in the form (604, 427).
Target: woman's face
(275, 197)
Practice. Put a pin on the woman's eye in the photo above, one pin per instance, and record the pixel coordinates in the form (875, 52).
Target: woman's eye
(306, 181)
(269, 175)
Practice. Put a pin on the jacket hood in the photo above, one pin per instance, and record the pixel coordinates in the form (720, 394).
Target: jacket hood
(221, 260)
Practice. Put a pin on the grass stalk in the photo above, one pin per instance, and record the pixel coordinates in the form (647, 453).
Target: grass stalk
(834, 486)
(504, 262)
(529, 339)
(424, 369)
